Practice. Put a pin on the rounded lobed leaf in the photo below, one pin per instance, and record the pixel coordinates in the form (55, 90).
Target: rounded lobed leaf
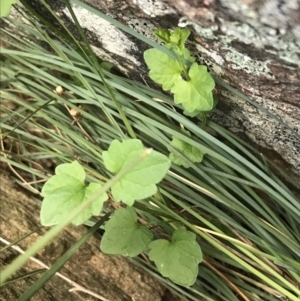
(141, 181)
(118, 152)
(189, 151)
(73, 169)
(65, 191)
(124, 236)
(164, 69)
(195, 94)
(179, 259)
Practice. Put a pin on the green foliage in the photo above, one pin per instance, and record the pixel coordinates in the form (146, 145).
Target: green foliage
(192, 85)
(163, 34)
(140, 182)
(65, 191)
(195, 94)
(164, 69)
(5, 7)
(179, 37)
(178, 259)
(223, 202)
(124, 236)
(189, 151)
(187, 56)
(176, 39)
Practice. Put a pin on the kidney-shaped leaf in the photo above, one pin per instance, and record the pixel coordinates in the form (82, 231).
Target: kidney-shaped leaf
(139, 182)
(65, 191)
(191, 152)
(179, 259)
(164, 69)
(124, 236)
(195, 94)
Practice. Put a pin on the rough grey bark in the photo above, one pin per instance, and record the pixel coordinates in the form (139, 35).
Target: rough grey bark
(112, 277)
(252, 45)
(255, 46)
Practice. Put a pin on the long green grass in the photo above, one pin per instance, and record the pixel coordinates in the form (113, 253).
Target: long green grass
(245, 218)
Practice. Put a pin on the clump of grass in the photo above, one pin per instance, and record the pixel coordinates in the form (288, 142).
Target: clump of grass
(245, 218)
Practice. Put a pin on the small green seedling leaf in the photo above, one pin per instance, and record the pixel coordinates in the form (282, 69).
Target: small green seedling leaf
(179, 37)
(5, 6)
(185, 53)
(164, 69)
(179, 259)
(124, 236)
(140, 182)
(65, 191)
(196, 94)
(187, 56)
(189, 151)
(163, 34)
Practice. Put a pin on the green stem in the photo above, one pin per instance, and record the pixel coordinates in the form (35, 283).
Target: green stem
(184, 68)
(204, 120)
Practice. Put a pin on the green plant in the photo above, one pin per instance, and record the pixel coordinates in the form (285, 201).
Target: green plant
(181, 147)
(190, 82)
(140, 182)
(178, 259)
(5, 7)
(65, 191)
(244, 216)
